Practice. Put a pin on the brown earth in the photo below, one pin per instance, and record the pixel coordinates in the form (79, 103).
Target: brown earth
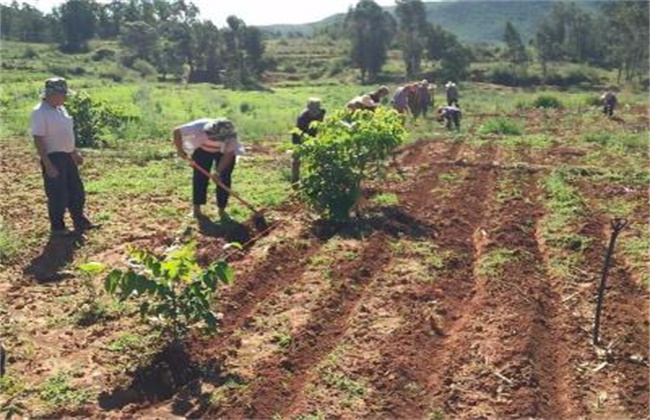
(444, 304)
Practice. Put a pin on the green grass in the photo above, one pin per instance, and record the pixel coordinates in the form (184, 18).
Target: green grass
(547, 101)
(130, 342)
(11, 243)
(340, 381)
(386, 199)
(564, 210)
(58, 392)
(492, 263)
(500, 126)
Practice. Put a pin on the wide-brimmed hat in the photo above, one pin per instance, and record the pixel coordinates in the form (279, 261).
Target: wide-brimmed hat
(55, 86)
(424, 82)
(220, 129)
(313, 103)
(450, 84)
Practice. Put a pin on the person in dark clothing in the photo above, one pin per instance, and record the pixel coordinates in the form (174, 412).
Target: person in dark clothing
(209, 141)
(379, 94)
(451, 115)
(313, 112)
(53, 132)
(609, 103)
(452, 94)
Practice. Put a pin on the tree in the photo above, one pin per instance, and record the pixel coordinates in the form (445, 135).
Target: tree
(140, 39)
(78, 24)
(453, 56)
(515, 49)
(412, 33)
(628, 42)
(371, 31)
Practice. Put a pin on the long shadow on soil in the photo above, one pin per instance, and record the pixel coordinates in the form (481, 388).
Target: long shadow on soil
(390, 220)
(172, 372)
(228, 229)
(57, 253)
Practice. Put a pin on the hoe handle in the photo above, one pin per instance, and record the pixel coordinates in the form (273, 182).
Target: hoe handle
(220, 184)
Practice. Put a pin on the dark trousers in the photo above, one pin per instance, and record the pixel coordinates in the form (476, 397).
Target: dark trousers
(608, 110)
(453, 121)
(452, 101)
(200, 182)
(64, 191)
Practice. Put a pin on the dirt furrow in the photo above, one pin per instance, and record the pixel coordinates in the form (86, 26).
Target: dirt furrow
(623, 381)
(400, 378)
(279, 380)
(517, 359)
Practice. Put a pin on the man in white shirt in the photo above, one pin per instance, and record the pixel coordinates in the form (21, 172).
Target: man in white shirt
(207, 141)
(52, 129)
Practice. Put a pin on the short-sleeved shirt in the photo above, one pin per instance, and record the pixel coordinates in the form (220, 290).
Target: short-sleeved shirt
(56, 127)
(400, 98)
(194, 137)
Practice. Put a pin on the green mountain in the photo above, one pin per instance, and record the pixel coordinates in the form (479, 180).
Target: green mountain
(473, 21)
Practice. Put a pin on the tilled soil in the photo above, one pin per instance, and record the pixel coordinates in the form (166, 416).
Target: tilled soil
(444, 304)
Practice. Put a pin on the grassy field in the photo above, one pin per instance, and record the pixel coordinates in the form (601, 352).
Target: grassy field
(481, 250)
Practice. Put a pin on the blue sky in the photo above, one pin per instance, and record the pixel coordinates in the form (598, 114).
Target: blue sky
(253, 12)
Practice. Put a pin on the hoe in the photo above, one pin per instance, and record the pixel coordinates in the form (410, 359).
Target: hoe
(258, 218)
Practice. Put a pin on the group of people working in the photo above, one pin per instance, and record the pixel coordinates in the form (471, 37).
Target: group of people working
(203, 143)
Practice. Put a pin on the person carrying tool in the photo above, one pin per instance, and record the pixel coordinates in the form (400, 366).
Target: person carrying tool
(313, 112)
(609, 103)
(451, 115)
(207, 141)
(452, 94)
(53, 132)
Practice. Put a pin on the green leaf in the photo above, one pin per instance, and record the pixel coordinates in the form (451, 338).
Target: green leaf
(92, 268)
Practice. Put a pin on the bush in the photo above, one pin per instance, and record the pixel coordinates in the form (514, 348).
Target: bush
(92, 119)
(500, 126)
(30, 53)
(115, 73)
(245, 108)
(103, 54)
(349, 146)
(174, 289)
(144, 68)
(547, 101)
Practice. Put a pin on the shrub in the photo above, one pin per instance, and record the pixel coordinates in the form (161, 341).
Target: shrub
(245, 107)
(593, 101)
(174, 289)
(92, 119)
(144, 68)
(349, 146)
(547, 101)
(103, 54)
(500, 126)
(30, 53)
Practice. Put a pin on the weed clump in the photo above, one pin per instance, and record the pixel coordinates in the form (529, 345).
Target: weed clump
(500, 126)
(547, 101)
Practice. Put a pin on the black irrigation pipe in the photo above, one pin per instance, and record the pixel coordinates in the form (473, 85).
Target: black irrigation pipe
(617, 226)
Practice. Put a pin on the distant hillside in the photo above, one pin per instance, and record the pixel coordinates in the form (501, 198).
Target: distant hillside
(473, 21)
